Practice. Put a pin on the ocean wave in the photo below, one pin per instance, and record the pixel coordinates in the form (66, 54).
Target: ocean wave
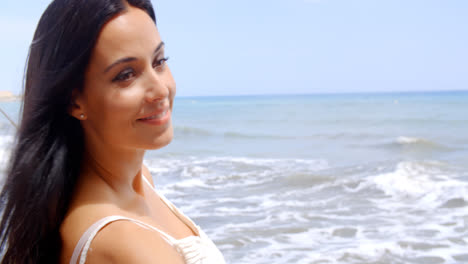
(6, 142)
(328, 136)
(191, 131)
(411, 140)
(425, 183)
(231, 172)
(415, 144)
(240, 135)
(346, 136)
(411, 211)
(200, 132)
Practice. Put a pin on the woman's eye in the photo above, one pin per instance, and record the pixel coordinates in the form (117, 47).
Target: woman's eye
(159, 64)
(125, 75)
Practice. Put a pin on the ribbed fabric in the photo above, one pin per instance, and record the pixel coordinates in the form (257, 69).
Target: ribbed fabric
(195, 249)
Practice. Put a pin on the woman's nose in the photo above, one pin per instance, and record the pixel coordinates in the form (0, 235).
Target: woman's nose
(156, 89)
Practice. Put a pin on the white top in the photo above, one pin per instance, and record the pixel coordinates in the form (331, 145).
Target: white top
(195, 249)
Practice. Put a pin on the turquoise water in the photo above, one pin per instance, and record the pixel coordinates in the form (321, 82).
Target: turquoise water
(344, 178)
(344, 128)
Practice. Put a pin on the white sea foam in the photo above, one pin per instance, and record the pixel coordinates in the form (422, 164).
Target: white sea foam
(307, 212)
(6, 142)
(409, 179)
(410, 140)
(423, 182)
(320, 224)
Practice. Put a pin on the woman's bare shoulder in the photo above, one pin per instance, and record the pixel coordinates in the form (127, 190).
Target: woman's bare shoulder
(89, 206)
(76, 222)
(127, 242)
(118, 242)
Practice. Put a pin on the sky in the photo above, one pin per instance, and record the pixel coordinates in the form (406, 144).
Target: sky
(244, 47)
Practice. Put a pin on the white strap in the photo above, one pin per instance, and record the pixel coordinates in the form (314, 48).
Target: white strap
(86, 239)
(185, 219)
(88, 236)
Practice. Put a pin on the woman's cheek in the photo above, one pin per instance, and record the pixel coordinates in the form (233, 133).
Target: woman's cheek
(128, 101)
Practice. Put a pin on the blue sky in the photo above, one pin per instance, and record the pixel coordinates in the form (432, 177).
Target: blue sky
(220, 47)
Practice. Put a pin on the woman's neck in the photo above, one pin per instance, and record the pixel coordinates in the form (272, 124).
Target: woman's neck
(118, 168)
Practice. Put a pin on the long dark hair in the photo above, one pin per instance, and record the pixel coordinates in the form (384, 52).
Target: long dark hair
(46, 158)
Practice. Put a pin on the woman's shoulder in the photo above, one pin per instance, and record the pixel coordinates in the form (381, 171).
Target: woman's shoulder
(87, 206)
(117, 241)
(75, 224)
(127, 242)
(91, 205)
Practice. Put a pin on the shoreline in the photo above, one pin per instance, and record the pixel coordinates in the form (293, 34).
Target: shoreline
(7, 96)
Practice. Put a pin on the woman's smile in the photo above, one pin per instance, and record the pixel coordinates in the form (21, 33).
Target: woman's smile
(159, 117)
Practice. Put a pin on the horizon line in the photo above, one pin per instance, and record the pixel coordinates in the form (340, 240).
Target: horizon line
(329, 93)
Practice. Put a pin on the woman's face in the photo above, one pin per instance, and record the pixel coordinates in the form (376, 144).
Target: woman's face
(128, 91)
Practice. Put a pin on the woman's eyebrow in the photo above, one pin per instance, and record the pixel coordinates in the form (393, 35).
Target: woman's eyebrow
(159, 47)
(119, 61)
(128, 59)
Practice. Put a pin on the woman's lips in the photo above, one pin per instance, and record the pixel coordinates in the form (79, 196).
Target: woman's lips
(159, 118)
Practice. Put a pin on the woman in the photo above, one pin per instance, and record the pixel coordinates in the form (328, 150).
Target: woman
(98, 93)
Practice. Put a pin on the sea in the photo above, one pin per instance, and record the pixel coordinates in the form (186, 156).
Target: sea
(321, 178)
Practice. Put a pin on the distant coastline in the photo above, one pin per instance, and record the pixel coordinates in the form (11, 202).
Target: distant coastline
(357, 93)
(7, 96)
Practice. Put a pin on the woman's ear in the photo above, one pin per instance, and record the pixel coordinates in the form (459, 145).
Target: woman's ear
(77, 107)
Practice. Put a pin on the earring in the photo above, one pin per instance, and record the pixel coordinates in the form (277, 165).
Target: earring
(82, 116)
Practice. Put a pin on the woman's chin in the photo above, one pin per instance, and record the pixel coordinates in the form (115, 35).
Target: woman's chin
(162, 140)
